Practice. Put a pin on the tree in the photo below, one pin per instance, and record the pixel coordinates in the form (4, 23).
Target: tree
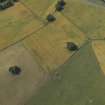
(72, 46)
(50, 18)
(15, 70)
(6, 3)
(60, 5)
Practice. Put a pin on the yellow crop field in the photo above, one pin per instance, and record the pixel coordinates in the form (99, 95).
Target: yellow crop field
(16, 23)
(99, 49)
(50, 43)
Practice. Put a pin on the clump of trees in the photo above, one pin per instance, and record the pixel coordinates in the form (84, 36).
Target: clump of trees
(15, 70)
(51, 18)
(72, 46)
(6, 3)
(60, 5)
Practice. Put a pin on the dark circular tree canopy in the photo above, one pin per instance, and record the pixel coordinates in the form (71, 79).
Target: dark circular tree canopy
(62, 2)
(15, 70)
(60, 5)
(6, 3)
(72, 46)
(50, 18)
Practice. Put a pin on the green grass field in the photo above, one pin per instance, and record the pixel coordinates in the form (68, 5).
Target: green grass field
(80, 83)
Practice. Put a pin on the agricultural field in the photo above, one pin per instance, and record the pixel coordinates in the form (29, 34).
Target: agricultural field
(80, 82)
(16, 23)
(99, 49)
(16, 90)
(88, 18)
(45, 71)
(50, 45)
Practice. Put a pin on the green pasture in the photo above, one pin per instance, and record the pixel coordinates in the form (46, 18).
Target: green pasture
(79, 82)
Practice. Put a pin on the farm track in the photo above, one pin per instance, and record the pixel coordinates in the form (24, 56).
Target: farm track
(44, 24)
(33, 13)
(28, 35)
